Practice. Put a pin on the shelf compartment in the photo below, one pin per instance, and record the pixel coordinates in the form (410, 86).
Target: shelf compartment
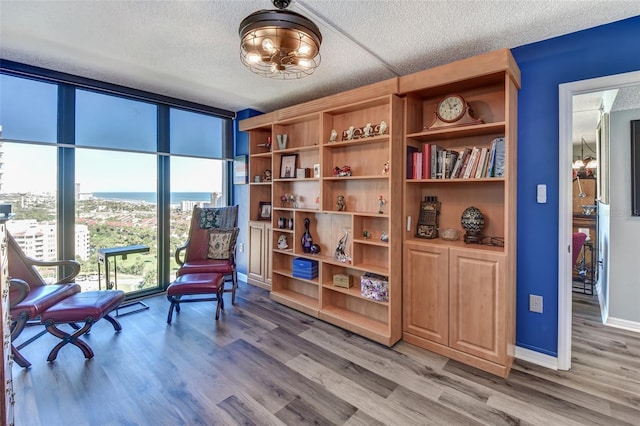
(358, 115)
(364, 159)
(361, 316)
(259, 193)
(329, 270)
(375, 225)
(454, 199)
(486, 100)
(295, 294)
(361, 195)
(306, 191)
(326, 230)
(301, 132)
(305, 159)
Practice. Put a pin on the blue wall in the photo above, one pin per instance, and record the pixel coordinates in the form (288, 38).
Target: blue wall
(596, 52)
(241, 192)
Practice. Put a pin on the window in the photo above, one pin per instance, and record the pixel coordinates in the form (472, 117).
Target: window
(119, 151)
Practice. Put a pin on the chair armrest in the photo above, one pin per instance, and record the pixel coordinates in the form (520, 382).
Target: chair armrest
(75, 268)
(179, 250)
(18, 290)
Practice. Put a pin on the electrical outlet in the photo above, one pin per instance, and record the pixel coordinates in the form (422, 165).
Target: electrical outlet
(241, 247)
(535, 303)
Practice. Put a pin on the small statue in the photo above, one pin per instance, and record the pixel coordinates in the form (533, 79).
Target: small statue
(282, 242)
(292, 201)
(350, 132)
(283, 200)
(386, 168)
(342, 171)
(266, 176)
(340, 253)
(383, 128)
(381, 202)
(341, 204)
(384, 237)
(307, 239)
(334, 136)
(367, 130)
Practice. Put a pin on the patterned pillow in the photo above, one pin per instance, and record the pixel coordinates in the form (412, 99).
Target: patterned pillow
(222, 242)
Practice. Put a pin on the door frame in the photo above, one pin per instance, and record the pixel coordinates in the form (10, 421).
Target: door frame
(566, 92)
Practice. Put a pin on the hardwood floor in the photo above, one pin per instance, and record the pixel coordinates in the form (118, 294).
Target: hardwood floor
(265, 364)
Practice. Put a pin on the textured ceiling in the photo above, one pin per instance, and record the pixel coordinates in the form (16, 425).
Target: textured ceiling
(189, 49)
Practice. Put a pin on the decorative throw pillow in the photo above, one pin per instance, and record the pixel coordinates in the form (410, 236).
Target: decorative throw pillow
(222, 243)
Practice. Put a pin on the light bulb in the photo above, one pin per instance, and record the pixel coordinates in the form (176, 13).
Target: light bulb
(304, 63)
(304, 49)
(253, 57)
(267, 45)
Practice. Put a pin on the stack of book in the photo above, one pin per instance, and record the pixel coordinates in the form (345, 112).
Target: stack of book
(435, 162)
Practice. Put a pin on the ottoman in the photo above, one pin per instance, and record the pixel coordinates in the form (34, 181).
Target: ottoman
(195, 284)
(88, 307)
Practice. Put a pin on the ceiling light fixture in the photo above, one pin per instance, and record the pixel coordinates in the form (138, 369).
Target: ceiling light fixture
(279, 43)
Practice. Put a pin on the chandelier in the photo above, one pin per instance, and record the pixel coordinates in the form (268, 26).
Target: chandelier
(279, 43)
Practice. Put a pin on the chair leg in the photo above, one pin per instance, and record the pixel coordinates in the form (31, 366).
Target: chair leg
(74, 339)
(234, 286)
(16, 328)
(174, 301)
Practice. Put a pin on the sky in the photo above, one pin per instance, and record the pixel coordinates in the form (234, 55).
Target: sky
(33, 168)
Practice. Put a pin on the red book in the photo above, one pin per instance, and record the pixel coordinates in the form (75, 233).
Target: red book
(426, 161)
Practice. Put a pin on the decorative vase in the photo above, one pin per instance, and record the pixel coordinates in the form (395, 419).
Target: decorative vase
(341, 254)
(307, 239)
(291, 223)
(282, 141)
(472, 221)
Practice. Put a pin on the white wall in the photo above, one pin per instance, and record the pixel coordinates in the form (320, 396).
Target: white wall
(624, 280)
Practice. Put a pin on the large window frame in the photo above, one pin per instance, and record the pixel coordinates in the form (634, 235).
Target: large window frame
(67, 88)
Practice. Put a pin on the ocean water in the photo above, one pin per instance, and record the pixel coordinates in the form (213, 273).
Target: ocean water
(152, 197)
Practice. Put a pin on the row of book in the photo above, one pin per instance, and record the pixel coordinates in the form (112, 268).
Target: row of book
(435, 162)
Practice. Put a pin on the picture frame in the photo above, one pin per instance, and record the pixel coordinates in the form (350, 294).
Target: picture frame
(264, 210)
(316, 170)
(240, 170)
(288, 166)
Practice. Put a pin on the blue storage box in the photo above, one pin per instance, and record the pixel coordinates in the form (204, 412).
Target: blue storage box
(305, 268)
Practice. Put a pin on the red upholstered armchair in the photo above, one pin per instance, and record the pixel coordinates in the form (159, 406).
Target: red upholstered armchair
(40, 296)
(209, 226)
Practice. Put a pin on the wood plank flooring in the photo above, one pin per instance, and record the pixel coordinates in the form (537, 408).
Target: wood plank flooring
(265, 364)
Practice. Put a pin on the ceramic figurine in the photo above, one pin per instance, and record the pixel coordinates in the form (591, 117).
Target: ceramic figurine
(384, 237)
(383, 128)
(334, 136)
(341, 204)
(350, 132)
(282, 242)
(386, 168)
(381, 202)
(266, 176)
(367, 130)
(307, 239)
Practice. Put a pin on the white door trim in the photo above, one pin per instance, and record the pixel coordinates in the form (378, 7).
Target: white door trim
(566, 93)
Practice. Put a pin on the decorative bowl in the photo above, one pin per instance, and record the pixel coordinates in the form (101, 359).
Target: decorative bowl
(449, 234)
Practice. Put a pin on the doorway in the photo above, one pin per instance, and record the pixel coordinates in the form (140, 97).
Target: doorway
(566, 93)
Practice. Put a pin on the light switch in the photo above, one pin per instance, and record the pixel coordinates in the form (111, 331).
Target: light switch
(542, 193)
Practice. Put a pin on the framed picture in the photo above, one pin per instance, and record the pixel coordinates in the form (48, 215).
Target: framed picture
(316, 170)
(264, 211)
(288, 166)
(240, 170)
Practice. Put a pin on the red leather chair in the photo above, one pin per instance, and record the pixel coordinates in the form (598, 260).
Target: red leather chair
(196, 248)
(40, 296)
(578, 239)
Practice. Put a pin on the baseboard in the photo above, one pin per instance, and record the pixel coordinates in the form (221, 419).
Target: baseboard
(537, 358)
(242, 277)
(623, 324)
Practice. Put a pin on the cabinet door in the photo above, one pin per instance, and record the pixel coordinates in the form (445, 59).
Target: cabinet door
(268, 248)
(256, 270)
(426, 292)
(477, 304)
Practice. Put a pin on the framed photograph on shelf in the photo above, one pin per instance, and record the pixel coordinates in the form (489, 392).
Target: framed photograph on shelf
(288, 166)
(240, 170)
(316, 170)
(264, 211)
